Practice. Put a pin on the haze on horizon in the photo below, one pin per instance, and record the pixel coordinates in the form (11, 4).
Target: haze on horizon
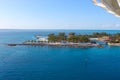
(55, 14)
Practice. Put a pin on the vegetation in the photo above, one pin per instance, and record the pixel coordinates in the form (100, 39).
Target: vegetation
(71, 37)
(97, 35)
(115, 38)
(78, 38)
(75, 38)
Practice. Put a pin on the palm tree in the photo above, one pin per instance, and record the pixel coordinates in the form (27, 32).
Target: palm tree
(62, 37)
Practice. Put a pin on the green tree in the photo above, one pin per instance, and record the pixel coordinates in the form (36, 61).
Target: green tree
(83, 38)
(62, 37)
(52, 37)
(71, 37)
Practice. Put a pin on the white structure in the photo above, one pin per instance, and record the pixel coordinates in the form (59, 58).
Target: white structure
(42, 38)
(111, 6)
(93, 39)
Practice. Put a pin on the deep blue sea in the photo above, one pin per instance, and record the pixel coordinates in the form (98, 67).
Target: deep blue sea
(56, 63)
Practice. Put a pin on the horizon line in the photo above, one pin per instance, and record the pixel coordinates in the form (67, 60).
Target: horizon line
(55, 29)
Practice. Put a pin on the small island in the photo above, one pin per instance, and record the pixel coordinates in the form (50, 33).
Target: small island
(74, 40)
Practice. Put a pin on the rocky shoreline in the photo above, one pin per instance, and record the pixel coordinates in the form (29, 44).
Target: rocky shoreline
(58, 44)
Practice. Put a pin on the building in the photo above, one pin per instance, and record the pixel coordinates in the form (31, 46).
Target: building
(93, 39)
(104, 38)
(42, 38)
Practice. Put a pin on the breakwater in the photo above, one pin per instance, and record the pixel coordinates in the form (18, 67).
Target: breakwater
(57, 44)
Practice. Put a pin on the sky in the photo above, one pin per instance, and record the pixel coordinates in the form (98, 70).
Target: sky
(55, 14)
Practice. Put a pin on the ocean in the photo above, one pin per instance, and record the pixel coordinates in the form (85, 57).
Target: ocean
(56, 63)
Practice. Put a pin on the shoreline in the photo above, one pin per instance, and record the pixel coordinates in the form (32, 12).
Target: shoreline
(58, 44)
(114, 44)
(62, 44)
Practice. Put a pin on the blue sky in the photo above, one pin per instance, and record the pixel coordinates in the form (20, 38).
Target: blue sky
(55, 14)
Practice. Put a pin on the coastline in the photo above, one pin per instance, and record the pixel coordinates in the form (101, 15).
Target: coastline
(114, 44)
(58, 44)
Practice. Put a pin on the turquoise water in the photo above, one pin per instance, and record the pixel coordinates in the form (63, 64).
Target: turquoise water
(56, 63)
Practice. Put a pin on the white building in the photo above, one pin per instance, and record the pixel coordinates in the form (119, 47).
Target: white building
(42, 38)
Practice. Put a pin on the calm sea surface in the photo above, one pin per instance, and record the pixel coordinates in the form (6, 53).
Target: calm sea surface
(56, 63)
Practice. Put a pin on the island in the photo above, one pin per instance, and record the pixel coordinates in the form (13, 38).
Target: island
(74, 40)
